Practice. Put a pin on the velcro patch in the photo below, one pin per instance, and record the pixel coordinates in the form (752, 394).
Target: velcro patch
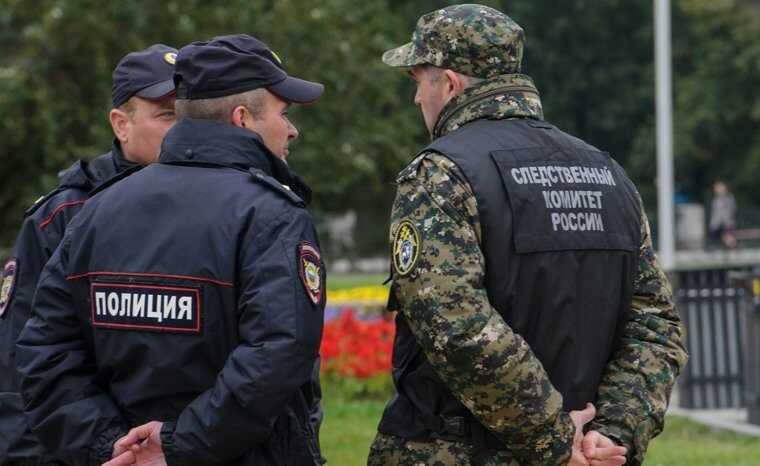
(146, 307)
(8, 283)
(405, 247)
(565, 200)
(310, 271)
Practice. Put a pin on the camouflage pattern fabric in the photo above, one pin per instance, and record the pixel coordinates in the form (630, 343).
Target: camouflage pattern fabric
(634, 392)
(508, 96)
(488, 367)
(474, 40)
(389, 450)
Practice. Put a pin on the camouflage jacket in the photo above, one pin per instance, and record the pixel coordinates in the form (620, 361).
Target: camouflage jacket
(500, 380)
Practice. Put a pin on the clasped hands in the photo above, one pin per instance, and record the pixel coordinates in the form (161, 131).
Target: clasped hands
(593, 449)
(142, 445)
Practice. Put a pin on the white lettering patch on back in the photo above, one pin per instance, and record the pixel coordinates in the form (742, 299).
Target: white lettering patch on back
(146, 307)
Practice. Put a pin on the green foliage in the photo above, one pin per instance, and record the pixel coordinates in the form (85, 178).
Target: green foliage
(378, 387)
(592, 62)
(594, 65)
(717, 98)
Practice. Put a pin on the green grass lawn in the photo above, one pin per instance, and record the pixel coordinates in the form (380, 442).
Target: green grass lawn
(690, 444)
(350, 426)
(338, 281)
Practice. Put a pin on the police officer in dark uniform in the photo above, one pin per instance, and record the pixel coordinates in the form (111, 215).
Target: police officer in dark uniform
(188, 298)
(143, 110)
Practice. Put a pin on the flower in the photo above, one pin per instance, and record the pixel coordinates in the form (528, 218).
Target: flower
(358, 295)
(356, 348)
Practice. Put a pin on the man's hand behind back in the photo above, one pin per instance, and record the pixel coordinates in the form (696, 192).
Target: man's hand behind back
(601, 451)
(594, 449)
(141, 446)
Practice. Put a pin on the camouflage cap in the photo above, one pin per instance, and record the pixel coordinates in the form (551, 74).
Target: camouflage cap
(474, 40)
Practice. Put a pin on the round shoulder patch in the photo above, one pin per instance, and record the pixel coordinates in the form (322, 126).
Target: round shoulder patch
(8, 283)
(310, 271)
(406, 247)
(170, 58)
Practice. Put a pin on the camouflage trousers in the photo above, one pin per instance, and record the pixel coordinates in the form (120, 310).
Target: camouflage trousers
(389, 450)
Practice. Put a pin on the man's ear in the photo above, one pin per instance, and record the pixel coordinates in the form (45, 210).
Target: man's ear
(455, 85)
(239, 116)
(119, 124)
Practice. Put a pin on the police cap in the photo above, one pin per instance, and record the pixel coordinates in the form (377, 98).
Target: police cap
(147, 74)
(233, 64)
(474, 40)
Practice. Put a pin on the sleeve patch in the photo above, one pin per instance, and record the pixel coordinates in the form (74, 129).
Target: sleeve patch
(405, 248)
(310, 271)
(8, 283)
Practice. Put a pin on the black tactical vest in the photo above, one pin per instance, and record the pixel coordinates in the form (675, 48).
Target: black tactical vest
(560, 227)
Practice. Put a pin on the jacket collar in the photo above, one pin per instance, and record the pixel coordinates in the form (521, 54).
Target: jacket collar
(108, 165)
(214, 142)
(87, 175)
(506, 96)
(120, 163)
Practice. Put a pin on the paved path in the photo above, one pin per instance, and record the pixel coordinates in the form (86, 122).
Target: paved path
(734, 420)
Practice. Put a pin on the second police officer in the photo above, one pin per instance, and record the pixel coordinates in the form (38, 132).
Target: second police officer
(143, 111)
(187, 299)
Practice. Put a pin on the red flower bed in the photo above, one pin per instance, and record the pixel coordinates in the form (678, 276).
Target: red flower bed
(353, 347)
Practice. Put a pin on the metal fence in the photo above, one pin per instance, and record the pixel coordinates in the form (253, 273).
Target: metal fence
(710, 305)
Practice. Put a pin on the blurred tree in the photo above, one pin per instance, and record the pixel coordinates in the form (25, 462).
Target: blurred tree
(592, 62)
(717, 98)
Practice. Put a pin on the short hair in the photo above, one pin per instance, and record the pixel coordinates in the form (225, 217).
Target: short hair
(220, 108)
(436, 73)
(128, 107)
(471, 80)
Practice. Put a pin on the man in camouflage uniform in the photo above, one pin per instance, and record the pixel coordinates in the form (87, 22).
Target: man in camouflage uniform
(524, 275)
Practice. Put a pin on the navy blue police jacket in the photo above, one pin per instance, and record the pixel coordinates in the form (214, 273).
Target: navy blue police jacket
(41, 232)
(192, 293)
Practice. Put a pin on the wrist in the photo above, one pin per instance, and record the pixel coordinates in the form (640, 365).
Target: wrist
(611, 432)
(102, 447)
(169, 445)
(555, 441)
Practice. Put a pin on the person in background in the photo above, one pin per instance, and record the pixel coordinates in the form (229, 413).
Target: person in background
(722, 216)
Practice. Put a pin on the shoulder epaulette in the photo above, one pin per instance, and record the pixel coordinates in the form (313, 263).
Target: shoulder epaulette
(114, 179)
(42, 200)
(410, 171)
(72, 177)
(261, 177)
